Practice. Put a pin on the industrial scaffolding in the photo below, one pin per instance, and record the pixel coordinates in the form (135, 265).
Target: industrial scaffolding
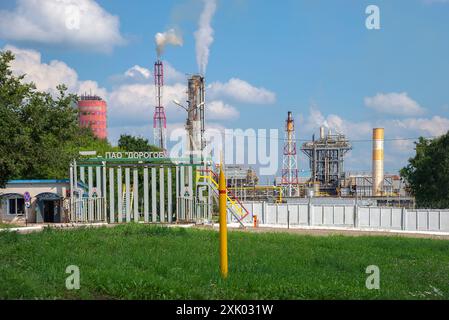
(326, 158)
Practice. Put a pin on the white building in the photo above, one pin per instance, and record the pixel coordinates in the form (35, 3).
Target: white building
(48, 201)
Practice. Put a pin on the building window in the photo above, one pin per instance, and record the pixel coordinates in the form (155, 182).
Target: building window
(16, 206)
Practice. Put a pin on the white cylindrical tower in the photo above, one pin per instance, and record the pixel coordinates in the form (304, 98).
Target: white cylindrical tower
(378, 161)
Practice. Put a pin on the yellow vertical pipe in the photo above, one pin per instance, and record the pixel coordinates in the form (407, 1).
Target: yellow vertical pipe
(223, 224)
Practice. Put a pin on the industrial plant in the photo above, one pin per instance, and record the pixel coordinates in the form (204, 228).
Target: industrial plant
(325, 178)
(142, 186)
(325, 153)
(328, 183)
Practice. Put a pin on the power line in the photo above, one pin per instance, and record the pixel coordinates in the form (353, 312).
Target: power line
(309, 140)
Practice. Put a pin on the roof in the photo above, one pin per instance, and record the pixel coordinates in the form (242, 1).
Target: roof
(38, 181)
(46, 181)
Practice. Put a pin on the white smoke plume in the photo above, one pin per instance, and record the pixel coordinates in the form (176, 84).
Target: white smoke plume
(204, 36)
(167, 37)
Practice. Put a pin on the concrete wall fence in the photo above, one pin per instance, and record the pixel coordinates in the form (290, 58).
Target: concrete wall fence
(349, 216)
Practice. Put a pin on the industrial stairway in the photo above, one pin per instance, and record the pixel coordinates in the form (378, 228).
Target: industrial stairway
(234, 205)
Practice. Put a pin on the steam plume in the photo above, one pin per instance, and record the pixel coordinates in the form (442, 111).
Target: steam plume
(167, 37)
(204, 36)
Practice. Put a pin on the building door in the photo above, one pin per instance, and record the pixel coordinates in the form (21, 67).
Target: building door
(49, 210)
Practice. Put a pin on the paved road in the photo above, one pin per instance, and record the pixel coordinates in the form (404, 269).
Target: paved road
(329, 232)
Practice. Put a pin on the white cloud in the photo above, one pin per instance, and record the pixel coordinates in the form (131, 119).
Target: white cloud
(394, 103)
(171, 75)
(218, 110)
(135, 74)
(402, 144)
(134, 103)
(91, 87)
(241, 91)
(138, 73)
(82, 24)
(133, 100)
(46, 76)
(434, 126)
(316, 119)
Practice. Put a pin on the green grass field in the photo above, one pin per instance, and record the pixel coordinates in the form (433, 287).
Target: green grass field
(148, 262)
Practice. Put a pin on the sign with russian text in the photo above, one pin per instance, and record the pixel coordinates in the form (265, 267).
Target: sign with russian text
(135, 155)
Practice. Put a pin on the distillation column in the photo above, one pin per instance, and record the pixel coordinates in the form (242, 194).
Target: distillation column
(195, 125)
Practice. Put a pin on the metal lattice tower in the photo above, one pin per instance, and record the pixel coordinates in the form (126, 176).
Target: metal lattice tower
(290, 162)
(159, 118)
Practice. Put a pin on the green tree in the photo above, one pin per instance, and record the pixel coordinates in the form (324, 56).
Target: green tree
(12, 93)
(88, 142)
(130, 143)
(39, 133)
(428, 172)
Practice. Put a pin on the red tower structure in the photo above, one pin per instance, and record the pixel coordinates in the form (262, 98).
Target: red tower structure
(290, 162)
(93, 113)
(159, 118)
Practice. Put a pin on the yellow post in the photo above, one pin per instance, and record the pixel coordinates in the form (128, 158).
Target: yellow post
(223, 224)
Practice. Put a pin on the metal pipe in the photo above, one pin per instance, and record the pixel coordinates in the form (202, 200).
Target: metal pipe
(321, 133)
(223, 224)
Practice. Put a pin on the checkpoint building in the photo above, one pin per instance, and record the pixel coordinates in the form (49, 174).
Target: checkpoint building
(48, 201)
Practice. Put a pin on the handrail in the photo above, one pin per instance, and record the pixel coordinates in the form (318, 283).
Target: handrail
(227, 196)
(233, 202)
(232, 211)
(235, 197)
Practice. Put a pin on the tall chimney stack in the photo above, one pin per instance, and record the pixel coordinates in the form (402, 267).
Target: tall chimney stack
(378, 161)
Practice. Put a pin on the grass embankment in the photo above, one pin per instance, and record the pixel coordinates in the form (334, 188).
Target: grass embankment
(147, 262)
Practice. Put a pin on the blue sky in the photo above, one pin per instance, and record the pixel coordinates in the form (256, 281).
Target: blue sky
(316, 58)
